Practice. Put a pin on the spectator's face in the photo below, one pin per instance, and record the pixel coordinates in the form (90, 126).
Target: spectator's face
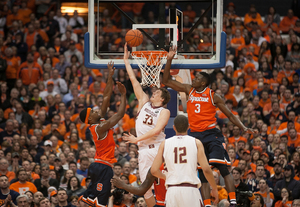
(62, 196)
(126, 169)
(241, 145)
(45, 172)
(122, 148)
(26, 165)
(25, 154)
(84, 165)
(73, 167)
(37, 197)
(73, 182)
(71, 156)
(262, 185)
(22, 176)
(260, 171)
(256, 202)
(117, 170)
(277, 169)
(296, 203)
(4, 184)
(69, 173)
(133, 163)
(287, 173)
(141, 202)
(45, 203)
(22, 202)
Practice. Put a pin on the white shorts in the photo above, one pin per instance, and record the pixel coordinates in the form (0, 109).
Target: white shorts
(183, 196)
(146, 158)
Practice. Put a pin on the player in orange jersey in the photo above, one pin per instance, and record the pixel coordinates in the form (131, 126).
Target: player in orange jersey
(201, 109)
(101, 171)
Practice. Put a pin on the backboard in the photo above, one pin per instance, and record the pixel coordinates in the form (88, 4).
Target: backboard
(194, 26)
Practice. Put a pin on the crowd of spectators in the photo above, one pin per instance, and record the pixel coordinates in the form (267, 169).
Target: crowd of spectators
(46, 150)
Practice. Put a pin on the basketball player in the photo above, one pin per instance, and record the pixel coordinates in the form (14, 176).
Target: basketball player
(201, 110)
(101, 171)
(181, 153)
(159, 187)
(150, 123)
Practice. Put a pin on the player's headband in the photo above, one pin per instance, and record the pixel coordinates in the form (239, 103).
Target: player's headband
(87, 115)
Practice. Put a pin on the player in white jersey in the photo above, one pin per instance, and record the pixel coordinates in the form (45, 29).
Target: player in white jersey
(181, 154)
(150, 123)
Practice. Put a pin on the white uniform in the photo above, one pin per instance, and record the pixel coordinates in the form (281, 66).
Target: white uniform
(180, 155)
(145, 121)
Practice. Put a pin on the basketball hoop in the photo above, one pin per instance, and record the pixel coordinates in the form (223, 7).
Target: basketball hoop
(150, 63)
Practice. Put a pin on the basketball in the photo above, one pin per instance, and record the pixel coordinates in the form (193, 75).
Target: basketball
(134, 37)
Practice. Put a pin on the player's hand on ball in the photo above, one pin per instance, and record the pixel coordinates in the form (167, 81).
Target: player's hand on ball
(129, 138)
(117, 182)
(126, 52)
(121, 88)
(111, 68)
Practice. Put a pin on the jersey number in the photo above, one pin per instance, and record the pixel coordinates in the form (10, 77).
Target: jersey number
(99, 186)
(198, 108)
(148, 120)
(181, 151)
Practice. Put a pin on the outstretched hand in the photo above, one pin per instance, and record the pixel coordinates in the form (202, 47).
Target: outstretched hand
(117, 182)
(121, 88)
(111, 68)
(129, 138)
(126, 52)
(172, 52)
(251, 131)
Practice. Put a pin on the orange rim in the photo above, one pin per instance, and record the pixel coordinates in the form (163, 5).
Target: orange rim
(154, 56)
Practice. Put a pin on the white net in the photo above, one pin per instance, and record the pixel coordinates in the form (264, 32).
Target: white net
(150, 64)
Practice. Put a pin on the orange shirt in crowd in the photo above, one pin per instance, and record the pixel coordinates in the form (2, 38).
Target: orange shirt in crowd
(25, 14)
(43, 35)
(12, 68)
(286, 22)
(240, 41)
(10, 175)
(30, 73)
(23, 187)
(262, 103)
(248, 18)
(102, 87)
(11, 18)
(61, 128)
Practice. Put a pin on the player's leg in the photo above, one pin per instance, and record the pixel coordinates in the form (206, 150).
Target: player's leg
(219, 158)
(146, 158)
(98, 191)
(183, 196)
(205, 188)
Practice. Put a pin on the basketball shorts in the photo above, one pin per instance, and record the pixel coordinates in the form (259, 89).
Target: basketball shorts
(214, 146)
(183, 196)
(146, 158)
(98, 191)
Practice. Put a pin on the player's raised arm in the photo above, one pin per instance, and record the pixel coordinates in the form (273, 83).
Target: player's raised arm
(161, 123)
(206, 169)
(112, 121)
(158, 161)
(108, 89)
(141, 190)
(167, 78)
(219, 102)
(137, 88)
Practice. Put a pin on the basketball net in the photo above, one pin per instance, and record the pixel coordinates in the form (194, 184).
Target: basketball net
(150, 63)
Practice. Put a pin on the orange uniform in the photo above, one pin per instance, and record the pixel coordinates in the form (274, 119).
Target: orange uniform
(30, 73)
(23, 187)
(201, 110)
(105, 148)
(12, 68)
